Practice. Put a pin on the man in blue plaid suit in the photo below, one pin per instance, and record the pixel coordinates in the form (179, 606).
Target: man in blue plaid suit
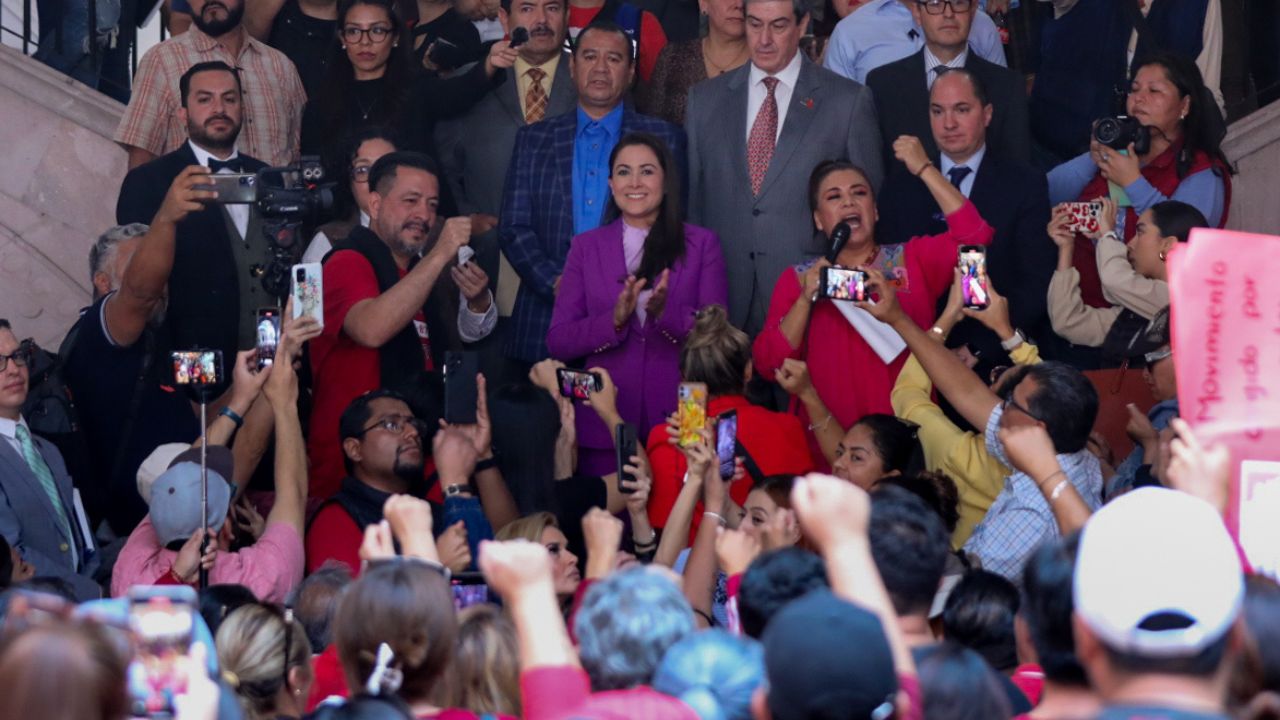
(557, 184)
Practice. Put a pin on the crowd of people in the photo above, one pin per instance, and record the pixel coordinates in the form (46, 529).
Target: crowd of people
(601, 413)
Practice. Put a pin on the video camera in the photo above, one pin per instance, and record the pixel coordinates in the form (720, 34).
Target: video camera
(1117, 132)
(285, 197)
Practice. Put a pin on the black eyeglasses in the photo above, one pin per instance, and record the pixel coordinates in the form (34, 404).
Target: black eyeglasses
(20, 357)
(1009, 402)
(396, 424)
(934, 7)
(377, 34)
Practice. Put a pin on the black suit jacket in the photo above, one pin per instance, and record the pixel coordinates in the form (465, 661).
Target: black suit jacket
(902, 102)
(204, 290)
(1014, 199)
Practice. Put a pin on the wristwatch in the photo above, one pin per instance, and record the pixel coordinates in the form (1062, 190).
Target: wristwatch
(458, 489)
(1014, 342)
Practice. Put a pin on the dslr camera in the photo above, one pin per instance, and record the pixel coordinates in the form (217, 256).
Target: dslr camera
(1117, 132)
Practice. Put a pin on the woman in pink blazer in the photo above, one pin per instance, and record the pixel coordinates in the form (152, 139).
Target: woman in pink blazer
(629, 291)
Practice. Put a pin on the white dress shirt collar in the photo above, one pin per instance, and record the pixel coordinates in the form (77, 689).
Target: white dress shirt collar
(202, 155)
(788, 76)
(931, 61)
(9, 431)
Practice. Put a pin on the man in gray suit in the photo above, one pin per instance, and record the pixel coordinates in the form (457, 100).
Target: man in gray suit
(475, 148)
(37, 509)
(755, 134)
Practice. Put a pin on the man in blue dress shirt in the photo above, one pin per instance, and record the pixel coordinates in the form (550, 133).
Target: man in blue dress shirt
(558, 182)
(883, 31)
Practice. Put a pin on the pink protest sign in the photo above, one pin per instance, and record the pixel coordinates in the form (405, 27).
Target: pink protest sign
(1225, 294)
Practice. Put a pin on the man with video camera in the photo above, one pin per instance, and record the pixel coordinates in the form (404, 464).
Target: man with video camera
(221, 251)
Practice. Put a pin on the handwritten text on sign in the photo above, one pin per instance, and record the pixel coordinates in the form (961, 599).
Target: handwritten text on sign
(1225, 299)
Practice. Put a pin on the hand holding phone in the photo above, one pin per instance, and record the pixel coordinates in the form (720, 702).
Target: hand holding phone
(838, 283)
(461, 391)
(578, 384)
(1085, 216)
(624, 443)
(726, 442)
(268, 335)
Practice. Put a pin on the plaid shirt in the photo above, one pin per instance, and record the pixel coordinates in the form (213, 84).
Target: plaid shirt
(1020, 518)
(273, 98)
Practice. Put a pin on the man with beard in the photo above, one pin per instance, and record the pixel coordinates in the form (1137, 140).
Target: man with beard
(475, 148)
(120, 385)
(380, 330)
(384, 452)
(273, 92)
(220, 250)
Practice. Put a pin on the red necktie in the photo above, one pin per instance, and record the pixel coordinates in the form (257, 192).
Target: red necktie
(764, 133)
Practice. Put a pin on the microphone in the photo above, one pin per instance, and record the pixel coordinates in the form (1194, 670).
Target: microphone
(519, 36)
(839, 236)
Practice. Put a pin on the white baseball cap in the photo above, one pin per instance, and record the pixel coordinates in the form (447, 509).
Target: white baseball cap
(154, 466)
(1157, 575)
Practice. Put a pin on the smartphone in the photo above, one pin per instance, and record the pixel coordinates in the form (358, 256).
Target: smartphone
(308, 291)
(469, 589)
(460, 389)
(691, 412)
(624, 440)
(445, 55)
(162, 619)
(578, 384)
(197, 367)
(973, 276)
(268, 335)
(726, 441)
(1085, 216)
(838, 283)
(235, 188)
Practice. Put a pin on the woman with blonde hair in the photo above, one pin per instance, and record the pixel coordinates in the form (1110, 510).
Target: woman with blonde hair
(484, 675)
(544, 529)
(266, 660)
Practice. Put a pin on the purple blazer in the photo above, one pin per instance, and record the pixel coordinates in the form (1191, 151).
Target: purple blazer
(644, 361)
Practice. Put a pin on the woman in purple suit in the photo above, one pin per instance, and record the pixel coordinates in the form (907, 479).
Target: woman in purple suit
(629, 291)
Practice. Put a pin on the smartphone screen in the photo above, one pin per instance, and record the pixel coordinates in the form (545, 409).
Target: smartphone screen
(268, 336)
(973, 276)
(844, 284)
(163, 622)
(726, 439)
(691, 412)
(308, 291)
(469, 589)
(197, 367)
(578, 384)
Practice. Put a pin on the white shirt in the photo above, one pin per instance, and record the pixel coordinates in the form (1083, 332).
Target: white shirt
(9, 431)
(931, 61)
(973, 163)
(757, 92)
(239, 213)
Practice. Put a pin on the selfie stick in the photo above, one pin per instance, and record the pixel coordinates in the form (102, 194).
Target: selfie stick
(204, 488)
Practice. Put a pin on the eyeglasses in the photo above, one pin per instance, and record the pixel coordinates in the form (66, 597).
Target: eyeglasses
(377, 34)
(360, 173)
(1151, 358)
(1009, 402)
(934, 7)
(20, 357)
(396, 424)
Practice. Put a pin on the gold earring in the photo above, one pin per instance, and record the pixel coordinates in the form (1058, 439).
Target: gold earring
(1161, 255)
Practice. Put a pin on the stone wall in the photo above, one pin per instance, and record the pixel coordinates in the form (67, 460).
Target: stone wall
(58, 190)
(1253, 144)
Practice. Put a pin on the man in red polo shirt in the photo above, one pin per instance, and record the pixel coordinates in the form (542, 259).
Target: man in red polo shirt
(380, 330)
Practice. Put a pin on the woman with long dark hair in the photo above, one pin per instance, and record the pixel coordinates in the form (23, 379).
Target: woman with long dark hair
(372, 80)
(629, 291)
(1184, 162)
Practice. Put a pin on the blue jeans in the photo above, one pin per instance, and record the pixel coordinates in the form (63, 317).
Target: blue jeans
(64, 43)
